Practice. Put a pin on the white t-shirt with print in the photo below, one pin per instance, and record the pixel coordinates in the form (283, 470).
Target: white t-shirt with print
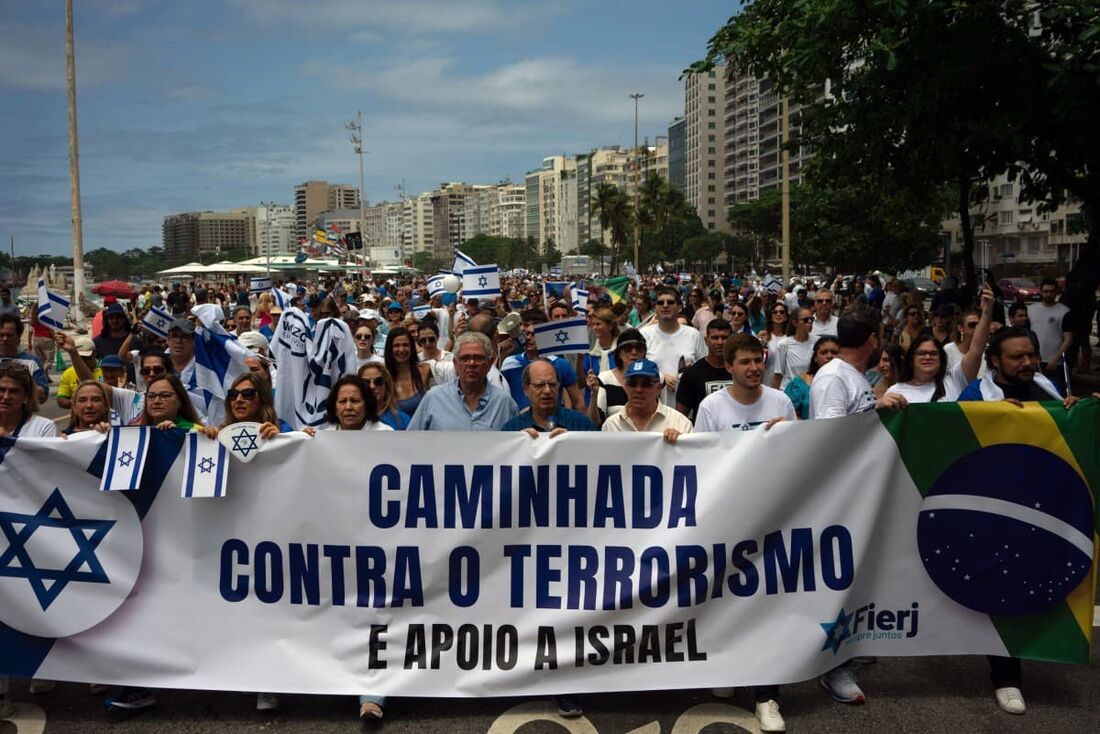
(793, 358)
(720, 411)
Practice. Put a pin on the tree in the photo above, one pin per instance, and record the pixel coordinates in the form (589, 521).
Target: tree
(616, 213)
(551, 255)
(596, 250)
(485, 249)
(666, 220)
(705, 248)
(425, 262)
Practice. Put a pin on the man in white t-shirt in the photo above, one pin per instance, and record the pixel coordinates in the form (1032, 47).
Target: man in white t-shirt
(746, 403)
(672, 345)
(839, 389)
(825, 324)
(1049, 322)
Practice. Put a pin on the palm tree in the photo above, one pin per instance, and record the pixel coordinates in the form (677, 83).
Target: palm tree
(616, 214)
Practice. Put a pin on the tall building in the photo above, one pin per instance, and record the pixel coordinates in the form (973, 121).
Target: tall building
(417, 230)
(382, 234)
(313, 197)
(449, 218)
(274, 229)
(552, 204)
(653, 159)
(705, 148)
(345, 220)
(507, 211)
(602, 165)
(207, 236)
(753, 138)
(677, 154)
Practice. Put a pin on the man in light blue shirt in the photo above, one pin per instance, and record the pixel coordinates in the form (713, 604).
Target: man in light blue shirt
(469, 402)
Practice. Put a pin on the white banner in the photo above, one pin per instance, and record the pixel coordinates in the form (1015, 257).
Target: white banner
(379, 563)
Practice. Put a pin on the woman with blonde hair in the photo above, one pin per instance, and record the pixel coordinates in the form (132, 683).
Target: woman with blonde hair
(381, 384)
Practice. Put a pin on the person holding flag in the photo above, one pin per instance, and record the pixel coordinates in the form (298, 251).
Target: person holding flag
(513, 366)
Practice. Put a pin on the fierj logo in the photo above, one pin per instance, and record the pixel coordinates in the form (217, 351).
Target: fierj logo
(68, 558)
(1007, 530)
(870, 622)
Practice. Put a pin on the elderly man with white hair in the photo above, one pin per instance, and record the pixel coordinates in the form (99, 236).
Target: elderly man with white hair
(469, 402)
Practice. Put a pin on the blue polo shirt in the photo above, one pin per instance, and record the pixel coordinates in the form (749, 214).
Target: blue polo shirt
(570, 420)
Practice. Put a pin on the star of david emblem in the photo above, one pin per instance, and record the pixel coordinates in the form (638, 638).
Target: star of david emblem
(482, 281)
(48, 583)
(561, 337)
(245, 442)
(206, 465)
(837, 632)
(125, 459)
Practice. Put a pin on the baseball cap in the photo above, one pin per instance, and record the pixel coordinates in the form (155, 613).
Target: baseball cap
(112, 361)
(368, 313)
(395, 306)
(643, 368)
(113, 309)
(628, 336)
(85, 347)
(184, 325)
(253, 340)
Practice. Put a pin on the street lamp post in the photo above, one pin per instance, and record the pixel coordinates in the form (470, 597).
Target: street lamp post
(355, 134)
(637, 182)
(74, 170)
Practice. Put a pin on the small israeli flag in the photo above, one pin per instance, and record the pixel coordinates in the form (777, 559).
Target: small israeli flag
(555, 271)
(205, 467)
(481, 281)
(52, 308)
(462, 261)
(259, 285)
(124, 464)
(580, 300)
(771, 283)
(157, 321)
(435, 285)
(421, 311)
(563, 336)
(282, 298)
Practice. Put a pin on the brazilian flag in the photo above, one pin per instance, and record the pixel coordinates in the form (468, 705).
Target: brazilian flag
(1008, 524)
(617, 288)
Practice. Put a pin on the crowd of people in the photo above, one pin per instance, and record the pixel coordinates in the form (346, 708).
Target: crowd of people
(673, 357)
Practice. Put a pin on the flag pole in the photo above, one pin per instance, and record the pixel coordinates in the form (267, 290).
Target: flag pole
(74, 170)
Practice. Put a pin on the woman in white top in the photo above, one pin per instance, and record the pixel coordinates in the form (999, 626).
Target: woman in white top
(352, 407)
(605, 327)
(927, 377)
(364, 347)
(19, 403)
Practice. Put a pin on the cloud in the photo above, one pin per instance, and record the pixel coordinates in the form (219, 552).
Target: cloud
(33, 58)
(408, 16)
(190, 92)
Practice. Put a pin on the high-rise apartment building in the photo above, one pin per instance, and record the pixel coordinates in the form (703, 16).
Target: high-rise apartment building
(196, 236)
(705, 149)
(653, 159)
(552, 204)
(313, 197)
(507, 211)
(382, 234)
(274, 229)
(343, 196)
(417, 230)
(677, 154)
(602, 165)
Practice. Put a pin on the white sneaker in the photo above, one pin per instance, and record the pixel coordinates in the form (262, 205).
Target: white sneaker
(1010, 700)
(767, 713)
(723, 692)
(842, 685)
(267, 702)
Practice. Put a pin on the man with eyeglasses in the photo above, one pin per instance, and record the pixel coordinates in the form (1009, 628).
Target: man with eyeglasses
(11, 332)
(644, 412)
(540, 383)
(468, 403)
(672, 346)
(825, 324)
(707, 376)
(181, 351)
(512, 367)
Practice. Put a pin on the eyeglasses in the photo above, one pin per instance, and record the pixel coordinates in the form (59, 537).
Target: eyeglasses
(427, 340)
(632, 348)
(666, 303)
(153, 396)
(540, 386)
(363, 337)
(926, 353)
(471, 359)
(151, 371)
(248, 393)
(913, 313)
(375, 381)
(641, 382)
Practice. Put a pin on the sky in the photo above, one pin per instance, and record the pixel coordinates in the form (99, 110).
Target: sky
(217, 104)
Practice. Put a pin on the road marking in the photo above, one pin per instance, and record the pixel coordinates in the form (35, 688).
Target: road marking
(697, 718)
(28, 719)
(525, 713)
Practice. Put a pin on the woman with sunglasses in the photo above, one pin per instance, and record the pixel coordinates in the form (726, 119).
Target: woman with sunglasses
(739, 318)
(927, 377)
(167, 405)
(91, 409)
(364, 346)
(249, 400)
(431, 353)
(611, 395)
(381, 384)
(793, 355)
(825, 350)
(19, 403)
(911, 327)
(777, 329)
(411, 379)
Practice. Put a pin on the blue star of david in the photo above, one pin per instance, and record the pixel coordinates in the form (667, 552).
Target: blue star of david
(48, 583)
(206, 465)
(482, 281)
(125, 459)
(837, 632)
(245, 448)
(561, 337)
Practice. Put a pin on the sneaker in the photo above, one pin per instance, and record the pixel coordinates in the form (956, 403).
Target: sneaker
(1010, 700)
(767, 713)
(370, 711)
(132, 699)
(842, 685)
(723, 692)
(267, 702)
(42, 686)
(569, 707)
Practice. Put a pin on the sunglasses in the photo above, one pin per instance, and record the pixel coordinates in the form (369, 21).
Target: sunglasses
(666, 303)
(248, 393)
(427, 340)
(363, 337)
(151, 371)
(375, 381)
(806, 319)
(779, 312)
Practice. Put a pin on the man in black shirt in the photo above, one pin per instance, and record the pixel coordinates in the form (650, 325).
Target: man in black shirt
(708, 375)
(178, 301)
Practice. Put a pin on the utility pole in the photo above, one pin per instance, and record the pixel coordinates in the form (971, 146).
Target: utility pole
(355, 134)
(74, 171)
(637, 182)
(786, 191)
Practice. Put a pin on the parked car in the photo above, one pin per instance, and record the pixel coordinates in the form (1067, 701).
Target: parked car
(1018, 289)
(925, 286)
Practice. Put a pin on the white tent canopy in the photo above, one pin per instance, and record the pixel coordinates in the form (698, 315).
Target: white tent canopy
(230, 267)
(184, 269)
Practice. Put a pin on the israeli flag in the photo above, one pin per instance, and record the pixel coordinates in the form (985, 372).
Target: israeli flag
(259, 285)
(52, 308)
(219, 359)
(421, 311)
(206, 467)
(124, 464)
(157, 321)
(580, 300)
(555, 288)
(560, 337)
(462, 261)
(481, 281)
(435, 286)
(555, 271)
(282, 298)
(771, 283)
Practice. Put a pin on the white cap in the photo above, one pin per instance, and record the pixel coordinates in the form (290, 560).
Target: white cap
(254, 341)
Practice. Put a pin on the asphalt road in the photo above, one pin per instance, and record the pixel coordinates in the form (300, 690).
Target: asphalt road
(926, 695)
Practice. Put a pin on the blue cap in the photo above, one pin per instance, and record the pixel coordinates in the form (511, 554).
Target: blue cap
(114, 308)
(643, 368)
(112, 360)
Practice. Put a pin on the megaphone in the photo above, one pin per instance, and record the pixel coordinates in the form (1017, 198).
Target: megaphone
(510, 325)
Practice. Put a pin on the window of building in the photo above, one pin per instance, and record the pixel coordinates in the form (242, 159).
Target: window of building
(1006, 218)
(1006, 190)
(711, 99)
(710, 138)
(710, 112)
(712, 150)
(711, 175)
(710, 187)
(711, 213)
(711, 126)
(710, 87)
(710, 199)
